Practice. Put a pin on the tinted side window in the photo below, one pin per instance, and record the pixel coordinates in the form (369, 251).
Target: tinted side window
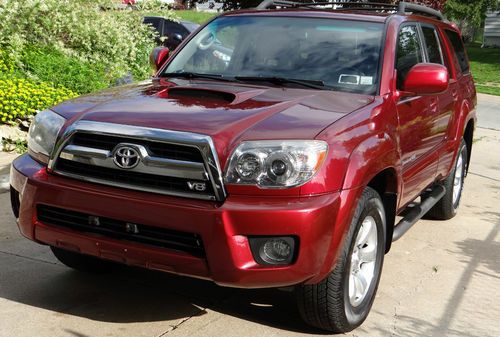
(409, 52)
(459, 49)
(432, 44)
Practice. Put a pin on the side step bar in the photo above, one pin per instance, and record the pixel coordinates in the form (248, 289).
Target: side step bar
(417, 212)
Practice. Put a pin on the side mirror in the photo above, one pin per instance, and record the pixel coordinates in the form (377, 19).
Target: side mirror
(158, 57)
(426, 79)
(177, 37)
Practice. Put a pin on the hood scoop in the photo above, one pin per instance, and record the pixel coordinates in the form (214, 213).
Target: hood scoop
(200, 95)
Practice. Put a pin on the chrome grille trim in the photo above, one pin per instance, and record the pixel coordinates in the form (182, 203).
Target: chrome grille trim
(209, 171)
(148, 164)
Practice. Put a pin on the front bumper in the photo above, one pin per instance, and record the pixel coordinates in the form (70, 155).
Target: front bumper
(224, 228)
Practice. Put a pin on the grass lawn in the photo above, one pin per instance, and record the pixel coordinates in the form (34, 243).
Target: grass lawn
(485, 64)
(194, 16)
(188, 15)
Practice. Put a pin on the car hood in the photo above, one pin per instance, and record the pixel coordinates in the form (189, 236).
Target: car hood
(228, 112)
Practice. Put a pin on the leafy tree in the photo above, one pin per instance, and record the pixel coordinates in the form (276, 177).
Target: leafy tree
(471, 11)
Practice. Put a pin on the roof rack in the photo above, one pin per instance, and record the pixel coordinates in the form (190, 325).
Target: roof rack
(405, 7)
(401, 8)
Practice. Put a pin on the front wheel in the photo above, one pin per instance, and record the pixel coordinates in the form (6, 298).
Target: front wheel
(341, 302)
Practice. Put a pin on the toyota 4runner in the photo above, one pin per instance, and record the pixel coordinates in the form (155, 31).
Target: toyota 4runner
(274, 148)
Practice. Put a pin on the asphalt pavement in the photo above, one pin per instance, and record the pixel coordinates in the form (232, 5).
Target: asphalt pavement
(441, 279)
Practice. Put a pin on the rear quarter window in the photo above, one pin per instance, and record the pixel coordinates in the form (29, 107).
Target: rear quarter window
(432, 45)
(459, 50)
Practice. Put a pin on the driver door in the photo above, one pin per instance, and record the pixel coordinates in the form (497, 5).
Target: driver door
(418, 116)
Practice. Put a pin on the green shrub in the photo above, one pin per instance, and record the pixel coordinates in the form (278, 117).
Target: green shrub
(20, 98)
(7, 65)
(18, 145)
(49, 65)
(50, 50)
(115, 40)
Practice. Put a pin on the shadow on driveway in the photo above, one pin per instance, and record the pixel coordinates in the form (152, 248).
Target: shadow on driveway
(131, 295)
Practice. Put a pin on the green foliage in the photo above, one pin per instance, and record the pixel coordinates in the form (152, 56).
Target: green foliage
(50, 65)
(471, 11)
(18, 145)
(52, 50)
(7, 65)
(21, 98)
(116, 41)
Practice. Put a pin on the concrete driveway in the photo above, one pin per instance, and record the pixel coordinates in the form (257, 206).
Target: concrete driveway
(441, 279)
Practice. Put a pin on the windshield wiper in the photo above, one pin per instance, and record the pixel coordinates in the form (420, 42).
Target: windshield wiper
(315, 84)
(190, 75)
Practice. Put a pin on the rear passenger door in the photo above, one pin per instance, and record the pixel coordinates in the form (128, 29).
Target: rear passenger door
(461, 87)
(422, 120)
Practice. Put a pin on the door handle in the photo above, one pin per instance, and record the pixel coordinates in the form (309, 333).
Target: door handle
(433, 104)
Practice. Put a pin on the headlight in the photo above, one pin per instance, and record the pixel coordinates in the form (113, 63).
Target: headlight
(276, 164)
(43, 133)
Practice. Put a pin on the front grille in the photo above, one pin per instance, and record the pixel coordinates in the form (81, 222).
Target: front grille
(158, 149)
(189, 243)
(142, 181)
(167, 162)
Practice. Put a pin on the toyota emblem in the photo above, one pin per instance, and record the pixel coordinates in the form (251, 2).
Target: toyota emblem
(126, 157)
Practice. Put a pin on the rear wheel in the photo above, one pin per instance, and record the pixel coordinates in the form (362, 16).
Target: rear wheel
(342, 301)
(80, 262)
(447, 207)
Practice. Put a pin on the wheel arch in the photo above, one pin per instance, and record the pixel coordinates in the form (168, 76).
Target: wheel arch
(379, 170)
(373, 162)
(386, 185)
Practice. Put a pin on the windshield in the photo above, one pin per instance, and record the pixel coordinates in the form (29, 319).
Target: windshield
(340, 54)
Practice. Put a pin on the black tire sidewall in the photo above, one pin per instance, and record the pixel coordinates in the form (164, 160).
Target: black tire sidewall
(372, 207)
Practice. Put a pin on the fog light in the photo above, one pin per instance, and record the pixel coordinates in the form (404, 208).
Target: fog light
(273, 250)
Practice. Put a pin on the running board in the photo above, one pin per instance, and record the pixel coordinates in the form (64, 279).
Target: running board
(416, 213)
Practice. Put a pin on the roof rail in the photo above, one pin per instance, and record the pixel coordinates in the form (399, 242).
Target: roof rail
(266, 4)
(405, 7)
(401, 8)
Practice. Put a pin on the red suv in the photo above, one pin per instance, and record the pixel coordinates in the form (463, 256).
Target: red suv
(274, 148)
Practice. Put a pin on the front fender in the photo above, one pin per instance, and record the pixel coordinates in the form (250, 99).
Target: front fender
(371, 157)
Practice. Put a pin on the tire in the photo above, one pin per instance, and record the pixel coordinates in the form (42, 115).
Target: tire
(447, 207)
(81, 262)
(328, 304)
